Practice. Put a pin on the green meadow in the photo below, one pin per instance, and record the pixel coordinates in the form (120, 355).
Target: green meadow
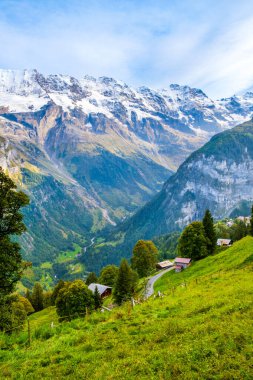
(201, 328)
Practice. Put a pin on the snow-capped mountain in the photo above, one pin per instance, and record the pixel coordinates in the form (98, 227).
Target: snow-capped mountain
(105, 145)
(28, 90)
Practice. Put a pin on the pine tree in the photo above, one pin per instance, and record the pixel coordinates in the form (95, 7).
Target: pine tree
(251, 222)
(209, 232)
(37, 297)
(97, 299)
(125, 283)
(144, 258)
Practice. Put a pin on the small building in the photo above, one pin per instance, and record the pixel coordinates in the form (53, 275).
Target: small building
(224, 242)
(164, 264)
(244, 219)
(103, 290)
(183, 262)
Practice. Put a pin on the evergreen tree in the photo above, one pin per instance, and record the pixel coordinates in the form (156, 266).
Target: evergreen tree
(97, 299)
(108, 275)
(144, 257)
(125, 283)
(251, 222)
(193, 242)
(91, 279)
(209, 232)
(37, 297)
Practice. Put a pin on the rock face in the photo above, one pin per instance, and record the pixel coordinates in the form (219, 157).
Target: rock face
(91, 151)
(218, 176)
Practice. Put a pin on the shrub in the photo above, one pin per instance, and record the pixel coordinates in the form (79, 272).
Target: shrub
(74, 300)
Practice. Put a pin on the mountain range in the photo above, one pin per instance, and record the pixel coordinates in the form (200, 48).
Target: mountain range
(90, 152)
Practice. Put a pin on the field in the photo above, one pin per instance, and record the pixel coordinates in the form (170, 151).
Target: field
(200, 329)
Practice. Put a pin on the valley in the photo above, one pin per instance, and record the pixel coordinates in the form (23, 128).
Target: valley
(90, 152)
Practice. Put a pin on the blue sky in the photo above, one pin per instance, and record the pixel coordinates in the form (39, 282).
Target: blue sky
(202, 43)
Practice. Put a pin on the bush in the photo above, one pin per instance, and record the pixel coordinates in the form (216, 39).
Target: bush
(73, 300)
(27, 305)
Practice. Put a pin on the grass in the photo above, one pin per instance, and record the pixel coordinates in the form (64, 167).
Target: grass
(69, 255)
(235, 257)
(46, 265)
(201, 331)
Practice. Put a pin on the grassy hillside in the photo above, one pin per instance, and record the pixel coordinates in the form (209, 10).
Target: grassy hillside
(232, 259)
(199, 331)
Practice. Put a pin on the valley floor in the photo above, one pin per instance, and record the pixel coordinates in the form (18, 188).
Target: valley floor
(200, 329)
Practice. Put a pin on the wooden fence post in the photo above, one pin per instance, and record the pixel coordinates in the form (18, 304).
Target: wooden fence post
(29, 332)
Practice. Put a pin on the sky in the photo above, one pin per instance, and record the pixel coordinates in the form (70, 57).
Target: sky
(202, 43)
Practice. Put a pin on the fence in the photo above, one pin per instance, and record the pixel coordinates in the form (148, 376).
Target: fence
(30, 331)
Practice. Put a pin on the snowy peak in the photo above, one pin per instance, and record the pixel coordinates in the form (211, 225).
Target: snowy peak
(20, 91)
(177, 107)
(20, 82)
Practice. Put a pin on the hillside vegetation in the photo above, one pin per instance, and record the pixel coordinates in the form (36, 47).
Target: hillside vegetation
(200, 329)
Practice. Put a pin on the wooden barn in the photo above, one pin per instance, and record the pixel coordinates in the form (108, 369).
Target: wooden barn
(164, 264)
(224, 242)
(103, 290)
(182, 262)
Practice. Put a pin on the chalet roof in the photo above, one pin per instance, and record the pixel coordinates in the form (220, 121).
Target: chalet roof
(182, 260)
(101, 288)
(224, 241)
(164, 264)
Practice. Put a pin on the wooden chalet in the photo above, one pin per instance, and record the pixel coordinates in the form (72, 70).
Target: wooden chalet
(103, 290)
(224, 242)
(164, 264)
(182, 262)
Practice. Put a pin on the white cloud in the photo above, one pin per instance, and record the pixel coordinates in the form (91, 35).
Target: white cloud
(206, 44)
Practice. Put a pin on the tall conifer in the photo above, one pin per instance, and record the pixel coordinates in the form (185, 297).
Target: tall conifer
(209, 232)
(125, 283)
